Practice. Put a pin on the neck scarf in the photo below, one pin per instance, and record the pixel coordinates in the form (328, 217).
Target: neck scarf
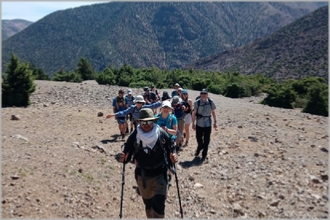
(148, 139)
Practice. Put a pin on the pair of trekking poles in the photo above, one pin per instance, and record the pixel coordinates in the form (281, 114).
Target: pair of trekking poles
(122, 190)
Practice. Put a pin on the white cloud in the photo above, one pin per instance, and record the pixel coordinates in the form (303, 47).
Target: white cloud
(33, 11)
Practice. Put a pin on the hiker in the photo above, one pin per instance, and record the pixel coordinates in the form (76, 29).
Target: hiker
(178, 109)
(165, 96)
(150, 97)
(154, 90)
(202, 122)
(119, 103)
(187, 115)
(135, 109)
(167, 120)
(130, 101)
(175, 91)
(151, 150)
(180, 92)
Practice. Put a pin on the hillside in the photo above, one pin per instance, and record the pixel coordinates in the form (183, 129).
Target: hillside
(58, 161)
(297, 50)
(143, 34)
(11, 27)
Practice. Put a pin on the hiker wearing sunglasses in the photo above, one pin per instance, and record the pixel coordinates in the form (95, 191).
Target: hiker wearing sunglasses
(151, 149)
(204, 108)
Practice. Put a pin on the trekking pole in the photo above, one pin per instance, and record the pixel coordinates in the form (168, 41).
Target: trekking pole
(122, 190)
(177, 181)
(177, 186)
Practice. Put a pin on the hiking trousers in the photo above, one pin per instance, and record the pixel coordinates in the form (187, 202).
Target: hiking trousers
(154, 195)
(203, 135)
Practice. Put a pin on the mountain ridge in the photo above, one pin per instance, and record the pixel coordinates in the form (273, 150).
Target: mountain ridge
(166, 35)
(295, 51)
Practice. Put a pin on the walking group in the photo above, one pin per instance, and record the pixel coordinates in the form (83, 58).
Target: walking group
(159, 128)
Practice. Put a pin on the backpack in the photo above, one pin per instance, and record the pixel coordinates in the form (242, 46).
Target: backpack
(118, 101)
(160, 150)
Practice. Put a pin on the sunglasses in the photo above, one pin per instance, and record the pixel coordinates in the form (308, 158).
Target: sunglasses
(203, 93)
(139, 102)
(146, 122)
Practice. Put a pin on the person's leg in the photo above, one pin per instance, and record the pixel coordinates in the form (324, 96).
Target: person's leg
(160, 192)
(147, 195)
(199, 138)
(132, 122)
(207, 137)
(181, 128)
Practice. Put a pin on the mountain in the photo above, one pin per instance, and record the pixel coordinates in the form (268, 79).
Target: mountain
(297, 50)
(11, 27)
(143, 34)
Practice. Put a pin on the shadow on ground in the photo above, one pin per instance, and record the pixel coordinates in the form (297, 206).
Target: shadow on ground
(197, 161)
(115, 138)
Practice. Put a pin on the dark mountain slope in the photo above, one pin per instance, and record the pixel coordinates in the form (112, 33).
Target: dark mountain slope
(11, 27)
(297, 50)
(165, 35)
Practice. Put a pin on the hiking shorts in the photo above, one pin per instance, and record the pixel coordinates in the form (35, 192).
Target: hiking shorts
(121, 120)
(156, 185)
(187, 119)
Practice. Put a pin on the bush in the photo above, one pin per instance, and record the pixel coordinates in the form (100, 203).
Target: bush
(280, 96)
(318, 100)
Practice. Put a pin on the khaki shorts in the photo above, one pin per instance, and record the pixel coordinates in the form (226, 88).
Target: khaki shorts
(154, 186)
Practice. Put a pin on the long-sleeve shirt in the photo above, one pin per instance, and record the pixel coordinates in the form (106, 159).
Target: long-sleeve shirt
(135, 110)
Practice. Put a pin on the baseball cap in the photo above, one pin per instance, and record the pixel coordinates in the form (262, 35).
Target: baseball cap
(129, 91)
(167, 104)
(204, 91)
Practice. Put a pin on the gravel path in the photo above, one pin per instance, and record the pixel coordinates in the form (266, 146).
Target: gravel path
(58, 160)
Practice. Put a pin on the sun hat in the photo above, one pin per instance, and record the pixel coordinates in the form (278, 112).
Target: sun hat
(175, 100)
(146, 88)
(139, 98)
(184, 91)
(204, 91)
(146, 114)
(180, 89)
(165, 93)
(166, 104)
(176, 84)
(129, 91)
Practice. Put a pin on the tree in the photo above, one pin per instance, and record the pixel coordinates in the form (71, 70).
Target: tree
(17, 84)
(85, 69)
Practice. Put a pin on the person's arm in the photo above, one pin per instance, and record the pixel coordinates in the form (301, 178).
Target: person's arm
(128, 150)
(153, 105)
(121, 113)
(193, 118)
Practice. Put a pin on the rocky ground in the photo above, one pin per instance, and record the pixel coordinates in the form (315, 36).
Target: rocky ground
(58, 160)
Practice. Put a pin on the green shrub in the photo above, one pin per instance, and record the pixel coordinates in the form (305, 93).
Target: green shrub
(318, 100)
(280, 96)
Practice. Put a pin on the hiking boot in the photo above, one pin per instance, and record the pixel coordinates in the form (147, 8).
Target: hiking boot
(204, 158)
(197, 153)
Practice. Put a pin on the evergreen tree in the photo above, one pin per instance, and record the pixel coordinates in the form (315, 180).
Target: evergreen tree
(17, 84)
(85, 69)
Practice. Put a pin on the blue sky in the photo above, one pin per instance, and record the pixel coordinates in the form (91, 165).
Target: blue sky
(35, 10)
